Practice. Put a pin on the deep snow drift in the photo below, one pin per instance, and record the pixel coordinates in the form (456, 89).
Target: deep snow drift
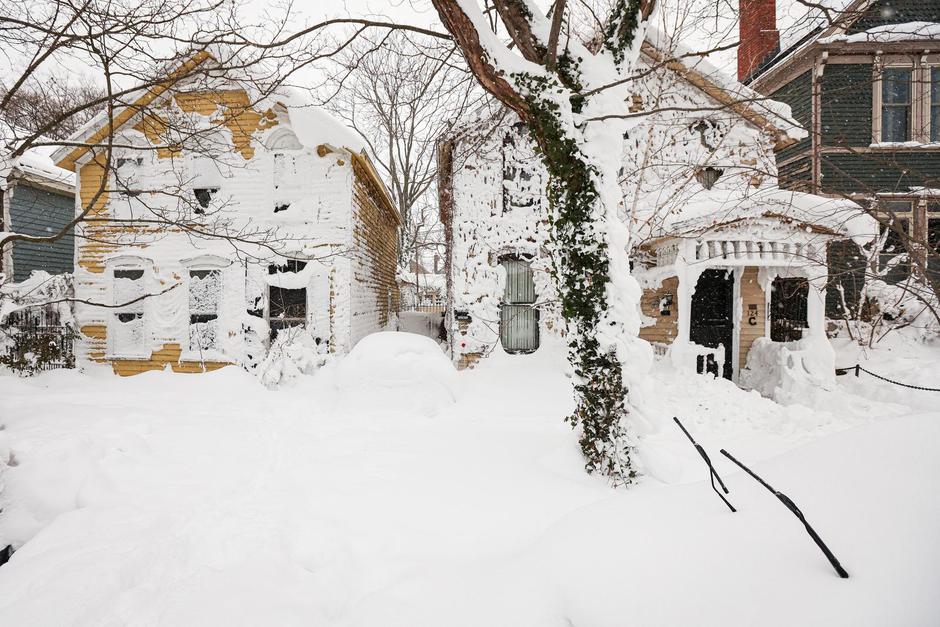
(209, 500)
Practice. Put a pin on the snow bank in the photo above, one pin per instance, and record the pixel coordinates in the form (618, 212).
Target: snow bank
(169, 499)
(397, 372)
(790, 372)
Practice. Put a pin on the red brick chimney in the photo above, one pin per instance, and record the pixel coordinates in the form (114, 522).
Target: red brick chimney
(759, 38)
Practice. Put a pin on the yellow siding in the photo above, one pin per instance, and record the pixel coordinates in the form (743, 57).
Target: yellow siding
(751, 294)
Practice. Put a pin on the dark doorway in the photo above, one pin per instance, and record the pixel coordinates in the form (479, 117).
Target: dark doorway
(788, 309)
(713, 318)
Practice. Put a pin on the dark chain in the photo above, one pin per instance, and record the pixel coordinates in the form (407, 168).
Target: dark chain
(858, 367)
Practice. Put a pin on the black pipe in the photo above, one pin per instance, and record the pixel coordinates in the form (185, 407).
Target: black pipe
(796, 512)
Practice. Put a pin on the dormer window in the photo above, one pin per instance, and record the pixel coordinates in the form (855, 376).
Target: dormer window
(708, 176)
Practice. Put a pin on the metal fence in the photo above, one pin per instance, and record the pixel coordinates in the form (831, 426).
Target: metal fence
(36, 339)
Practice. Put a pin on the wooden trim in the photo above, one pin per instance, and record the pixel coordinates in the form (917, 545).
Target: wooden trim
(126, 113)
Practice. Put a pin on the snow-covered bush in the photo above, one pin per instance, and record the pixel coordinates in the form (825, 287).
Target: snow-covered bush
(292, 354)
(391, 372)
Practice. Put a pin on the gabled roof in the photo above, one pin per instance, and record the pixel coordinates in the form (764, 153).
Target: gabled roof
(827, 23)
(314, 127)
(768, 115)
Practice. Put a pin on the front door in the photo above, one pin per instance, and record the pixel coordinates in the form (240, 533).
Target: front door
(713, 318)
(518, 315)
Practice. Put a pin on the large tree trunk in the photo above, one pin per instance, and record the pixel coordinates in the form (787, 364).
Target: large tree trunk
(599, 298)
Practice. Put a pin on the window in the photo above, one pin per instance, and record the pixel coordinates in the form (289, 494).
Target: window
(897, 270)
(935, 104)
(708, 176)
(788, 309)
(205, 290)
(287, 307)
(204, 197)
(127, 328)
(896, 105)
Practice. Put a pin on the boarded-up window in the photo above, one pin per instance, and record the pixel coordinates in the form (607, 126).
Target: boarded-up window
(205, 290)
(128, 324)
(518, 319)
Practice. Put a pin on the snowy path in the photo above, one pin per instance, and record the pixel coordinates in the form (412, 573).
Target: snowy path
(178, 500)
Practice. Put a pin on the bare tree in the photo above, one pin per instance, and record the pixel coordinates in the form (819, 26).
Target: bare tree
(148, 56)
(44, 104)
(402, 91)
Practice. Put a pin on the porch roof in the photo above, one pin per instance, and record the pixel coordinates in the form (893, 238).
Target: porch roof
(711, 212)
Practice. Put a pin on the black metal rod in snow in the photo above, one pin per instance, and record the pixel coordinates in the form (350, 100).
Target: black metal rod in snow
(711, 469)
(796, 512)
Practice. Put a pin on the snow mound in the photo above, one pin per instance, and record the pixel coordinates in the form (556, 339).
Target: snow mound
(790, 372)
(397, 372)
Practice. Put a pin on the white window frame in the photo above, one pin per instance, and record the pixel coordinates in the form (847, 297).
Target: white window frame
(920, 67)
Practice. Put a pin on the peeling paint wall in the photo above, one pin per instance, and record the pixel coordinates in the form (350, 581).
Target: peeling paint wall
(256, 165)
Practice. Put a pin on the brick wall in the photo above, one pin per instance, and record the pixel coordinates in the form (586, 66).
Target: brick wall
(759, 38)
(374, 295)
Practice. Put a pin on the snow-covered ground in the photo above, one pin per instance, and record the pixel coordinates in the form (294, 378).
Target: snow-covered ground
(386, 490)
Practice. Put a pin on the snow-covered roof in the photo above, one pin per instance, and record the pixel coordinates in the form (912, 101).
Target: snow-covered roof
(761, 111)
(312, 125)
(35, 163)
(713, 209)
(909, 31)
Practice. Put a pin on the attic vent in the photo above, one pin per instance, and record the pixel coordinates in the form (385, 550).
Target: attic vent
(204, 196)
(708, 176)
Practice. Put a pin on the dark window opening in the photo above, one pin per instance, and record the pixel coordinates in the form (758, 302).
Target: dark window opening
(708, 176)
(896, 105)
(124, 273)
(129, 317)
(291, 265)
(204, 197)
(122, 161)
(286, 308)
(788, 301)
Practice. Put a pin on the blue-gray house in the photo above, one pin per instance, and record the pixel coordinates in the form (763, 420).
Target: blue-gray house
(38, 198)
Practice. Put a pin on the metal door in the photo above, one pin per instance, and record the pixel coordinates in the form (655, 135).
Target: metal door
(518, 317)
